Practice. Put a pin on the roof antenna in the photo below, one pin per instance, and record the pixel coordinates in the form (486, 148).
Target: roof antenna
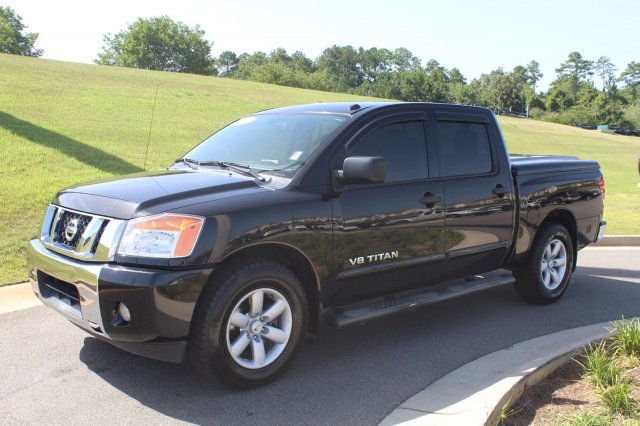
(155, 102)
(354, 107)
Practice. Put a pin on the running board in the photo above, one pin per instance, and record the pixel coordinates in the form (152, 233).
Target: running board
(380, 307)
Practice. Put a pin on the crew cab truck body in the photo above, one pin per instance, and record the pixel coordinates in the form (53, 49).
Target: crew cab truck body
(342, 212)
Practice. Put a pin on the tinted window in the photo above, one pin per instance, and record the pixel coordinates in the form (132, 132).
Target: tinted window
(403, 146)
(464, 148)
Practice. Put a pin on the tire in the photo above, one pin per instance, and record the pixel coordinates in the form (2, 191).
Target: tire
(545, 276)
(231, 337)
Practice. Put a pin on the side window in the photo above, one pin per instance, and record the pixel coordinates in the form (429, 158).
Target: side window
(464, 148)
(403, 146)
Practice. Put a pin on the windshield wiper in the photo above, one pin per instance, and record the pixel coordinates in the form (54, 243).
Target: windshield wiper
(237, 167)
(189, 162)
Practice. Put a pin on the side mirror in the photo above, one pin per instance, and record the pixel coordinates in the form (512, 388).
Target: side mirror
(362, 170)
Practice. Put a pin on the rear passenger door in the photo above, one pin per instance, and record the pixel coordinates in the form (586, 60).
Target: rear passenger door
(479, 207)
(389, 236)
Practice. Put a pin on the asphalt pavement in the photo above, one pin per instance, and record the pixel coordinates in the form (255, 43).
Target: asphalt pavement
(54, 373)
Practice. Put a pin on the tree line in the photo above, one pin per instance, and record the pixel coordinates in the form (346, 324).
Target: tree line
(572, 98)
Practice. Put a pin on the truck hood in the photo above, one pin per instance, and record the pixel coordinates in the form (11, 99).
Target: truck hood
(146, 193)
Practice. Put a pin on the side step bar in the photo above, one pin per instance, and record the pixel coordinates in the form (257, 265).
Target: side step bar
(380, 307)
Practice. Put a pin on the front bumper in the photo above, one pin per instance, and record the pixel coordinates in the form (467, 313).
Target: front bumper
(161, 302)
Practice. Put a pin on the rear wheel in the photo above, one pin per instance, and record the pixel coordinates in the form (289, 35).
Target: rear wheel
(546, 274)
(249, 325)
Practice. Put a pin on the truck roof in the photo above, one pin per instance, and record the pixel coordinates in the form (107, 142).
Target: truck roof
(353, 108)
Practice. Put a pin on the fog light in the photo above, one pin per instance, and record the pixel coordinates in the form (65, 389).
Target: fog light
(123, 310)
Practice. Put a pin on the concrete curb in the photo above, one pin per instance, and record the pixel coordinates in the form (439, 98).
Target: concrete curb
(619, 240)
(17, 296)
(475, 393)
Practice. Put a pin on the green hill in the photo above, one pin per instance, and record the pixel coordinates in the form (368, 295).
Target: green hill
(64, 123)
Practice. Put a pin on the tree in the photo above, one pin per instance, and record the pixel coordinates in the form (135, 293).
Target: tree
(403, 60)
(343, 67)
(631, 78)
(503, 90)
(13, 39)
(608, 110)
(280, 56)
(159, 44)
(576, 67)
(247, 64)
(227, 63)
(300, 62)
(374, 62)
(533, 74)
(436, 82)
(519, 78)
(456, 77)
(606, 71)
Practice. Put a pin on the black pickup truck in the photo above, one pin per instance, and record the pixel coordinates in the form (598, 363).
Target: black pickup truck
(232, 256)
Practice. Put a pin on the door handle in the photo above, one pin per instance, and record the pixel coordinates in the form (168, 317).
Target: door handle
(429, 199)
(500, 190)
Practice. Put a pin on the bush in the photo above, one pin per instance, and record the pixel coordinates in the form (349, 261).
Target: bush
(627, 339)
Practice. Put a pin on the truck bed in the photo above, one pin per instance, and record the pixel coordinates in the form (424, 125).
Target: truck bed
(535, 164)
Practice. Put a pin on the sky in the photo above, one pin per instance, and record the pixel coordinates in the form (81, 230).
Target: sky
(474, 36)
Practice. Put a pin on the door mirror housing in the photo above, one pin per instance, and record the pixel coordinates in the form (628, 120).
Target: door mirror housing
(362, 170)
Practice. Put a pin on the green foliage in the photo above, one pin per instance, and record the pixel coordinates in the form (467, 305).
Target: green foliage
(504, 90)
(604, 368)
(227, 63)
(632, 115)
(572, 98)
(587, 419)
(533, 74)
(599, 367)
(506, 412)
(618, 398)
(576, 67)
(631, 78)
(627, 338)
(343, 66)
(159, 44)
(570, 116)
(605, 69)
(609, 110)
(13, 39)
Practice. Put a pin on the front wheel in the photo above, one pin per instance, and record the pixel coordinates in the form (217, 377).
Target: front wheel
(249, 324)
(546, 274)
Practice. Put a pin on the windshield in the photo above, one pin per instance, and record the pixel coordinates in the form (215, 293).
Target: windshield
(272, 143)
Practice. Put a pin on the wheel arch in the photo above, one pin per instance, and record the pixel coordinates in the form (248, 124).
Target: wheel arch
(567, 219)
(292, 258)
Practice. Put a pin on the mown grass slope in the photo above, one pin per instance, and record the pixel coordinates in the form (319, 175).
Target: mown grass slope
(617, 155)
(64, 123)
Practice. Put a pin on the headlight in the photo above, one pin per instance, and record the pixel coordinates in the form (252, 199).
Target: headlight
(164, 235)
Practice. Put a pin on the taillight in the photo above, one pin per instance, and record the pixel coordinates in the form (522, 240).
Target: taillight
(601, 186)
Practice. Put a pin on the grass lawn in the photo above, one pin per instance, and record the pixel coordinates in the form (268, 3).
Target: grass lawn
(617, 155)
(64, 123)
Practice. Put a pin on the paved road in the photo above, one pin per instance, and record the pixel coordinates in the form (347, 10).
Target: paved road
(53, 373)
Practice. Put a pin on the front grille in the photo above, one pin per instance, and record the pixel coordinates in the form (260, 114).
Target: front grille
(63, 294)
(80, 235)
(69, 229)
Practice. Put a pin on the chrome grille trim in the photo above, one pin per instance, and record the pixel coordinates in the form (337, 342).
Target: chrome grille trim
(98, 235)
